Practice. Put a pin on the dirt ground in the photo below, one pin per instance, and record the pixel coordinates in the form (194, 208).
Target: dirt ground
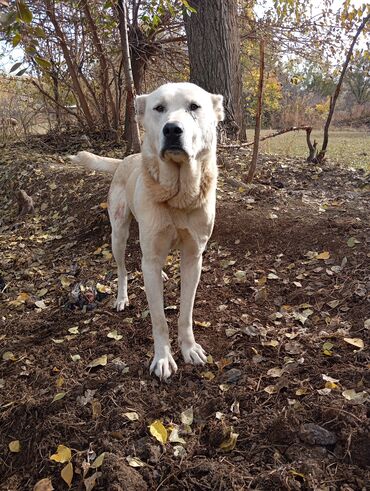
(282, 309)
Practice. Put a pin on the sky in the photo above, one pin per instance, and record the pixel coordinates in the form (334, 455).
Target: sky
(10, 56)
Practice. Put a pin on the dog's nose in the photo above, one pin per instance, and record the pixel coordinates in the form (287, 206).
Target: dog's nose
(173, 129)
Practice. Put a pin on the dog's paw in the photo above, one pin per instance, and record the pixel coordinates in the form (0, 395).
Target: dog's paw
(163, 366)
(121, 304)
(194, 354)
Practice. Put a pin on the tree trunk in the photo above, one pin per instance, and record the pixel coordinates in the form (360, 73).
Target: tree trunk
(106, 93)
(133, 139)
(334, 98)
(257, 129)
(214, 52)
(72, 68)
(138, 64)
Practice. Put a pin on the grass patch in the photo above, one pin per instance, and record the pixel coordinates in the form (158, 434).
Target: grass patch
(349, 147)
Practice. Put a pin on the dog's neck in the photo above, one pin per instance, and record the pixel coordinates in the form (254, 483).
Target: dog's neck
(182, 186)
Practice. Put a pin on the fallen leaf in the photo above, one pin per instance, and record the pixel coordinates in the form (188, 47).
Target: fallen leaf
(73, 330)
(158, 431)
(43, 485)
(103, 205)
(272, 276)
(175, 437)
(15, 446)
(202, 324)
(179, 451)
(326, 348)
(103, 288)
(229, 444)
(63, 454)
(101, 361)
(301, 391)
(272, 343)
(67, 474)
(270, 389)
(9, 356)
(357, 397)
(324, 255)
(75, 357)
(58, 396)
(187, 416)
(358, 342)
(96, 408)
(114, 335)
(135, 461)
(275, 372)
(90, 482)
(329, 379)
(132, 416)
(98, 462)
(40, 304)
(352, 241)
(208, 375)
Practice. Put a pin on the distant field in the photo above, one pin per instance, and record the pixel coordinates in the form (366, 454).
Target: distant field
(350, 147)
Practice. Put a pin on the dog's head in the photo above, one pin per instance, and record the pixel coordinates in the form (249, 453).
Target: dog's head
(179, 120)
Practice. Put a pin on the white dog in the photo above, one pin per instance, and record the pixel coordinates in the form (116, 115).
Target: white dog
(170, 188)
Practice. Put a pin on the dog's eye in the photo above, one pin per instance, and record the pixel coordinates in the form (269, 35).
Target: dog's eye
(159, 108)
(193, 106)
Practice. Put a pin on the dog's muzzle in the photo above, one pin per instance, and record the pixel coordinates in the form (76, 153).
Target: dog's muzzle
(173, 139)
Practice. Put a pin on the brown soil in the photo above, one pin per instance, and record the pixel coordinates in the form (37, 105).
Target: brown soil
(275, 307)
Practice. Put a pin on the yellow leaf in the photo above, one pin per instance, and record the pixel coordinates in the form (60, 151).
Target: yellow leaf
(103, 205)
(301, 391)
(67, 474)
(9, 356)
(158, 431)
(295, 473)
(43, 485)
(114, 335)
(330, 385)
(98, 461)
(63, 454)
(103, 288)
(323, 255)
(358, 342)
(73, 330)
(202, 324)
(15, 446)
(60, 381)
(272, 343)
(208, 375)
(58, 396)
(229, 444)
(98, 361)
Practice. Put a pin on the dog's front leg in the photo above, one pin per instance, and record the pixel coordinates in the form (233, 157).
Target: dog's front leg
(191, 266)
(163, 364)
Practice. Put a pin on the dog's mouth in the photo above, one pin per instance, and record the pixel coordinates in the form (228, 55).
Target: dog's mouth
(173, 152)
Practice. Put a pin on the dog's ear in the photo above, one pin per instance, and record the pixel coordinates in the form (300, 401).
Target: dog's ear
(140, 103)
(218, 106)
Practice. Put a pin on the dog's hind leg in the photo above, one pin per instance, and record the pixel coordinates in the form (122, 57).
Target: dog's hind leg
(120, 217)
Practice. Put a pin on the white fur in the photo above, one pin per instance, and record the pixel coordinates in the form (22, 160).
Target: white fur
(173, 198)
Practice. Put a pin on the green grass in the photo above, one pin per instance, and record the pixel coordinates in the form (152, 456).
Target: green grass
(349, 147)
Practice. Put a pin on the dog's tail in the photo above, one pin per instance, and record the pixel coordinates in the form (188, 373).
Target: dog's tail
(95, 162)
